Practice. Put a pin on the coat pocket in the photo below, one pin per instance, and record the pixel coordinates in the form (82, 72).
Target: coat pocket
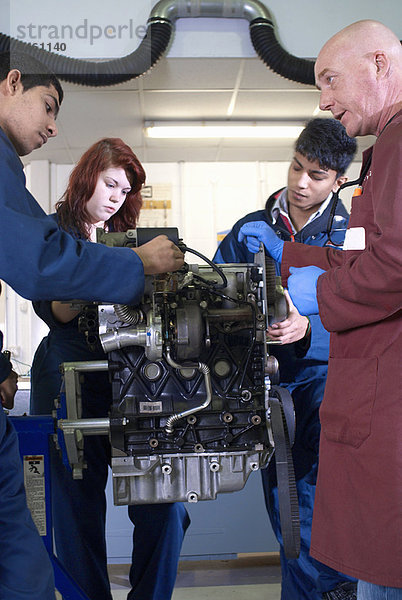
(346, 410)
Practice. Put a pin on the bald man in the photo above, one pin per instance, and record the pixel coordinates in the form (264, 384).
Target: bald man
(357, 524)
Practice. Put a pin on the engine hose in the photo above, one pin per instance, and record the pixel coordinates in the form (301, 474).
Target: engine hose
(275, 57)
(127, 314)
(102, 73)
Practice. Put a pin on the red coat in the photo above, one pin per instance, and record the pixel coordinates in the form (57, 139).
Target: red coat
(357, 525)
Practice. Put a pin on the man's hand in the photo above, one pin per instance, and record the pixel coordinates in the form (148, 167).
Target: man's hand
(292, 329)
(302, 286)
(160, 255)
(258, 231)
(8, 389)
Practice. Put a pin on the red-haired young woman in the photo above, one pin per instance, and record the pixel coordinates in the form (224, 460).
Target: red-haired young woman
(104, 190)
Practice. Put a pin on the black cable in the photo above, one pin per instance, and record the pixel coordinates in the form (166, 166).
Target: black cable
(333, 209)
(335, 199)
(221, 274)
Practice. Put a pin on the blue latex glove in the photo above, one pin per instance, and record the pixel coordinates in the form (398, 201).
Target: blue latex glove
(258, 231)
(302, 286)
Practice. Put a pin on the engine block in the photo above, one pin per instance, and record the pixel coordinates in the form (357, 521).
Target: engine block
(191, 376)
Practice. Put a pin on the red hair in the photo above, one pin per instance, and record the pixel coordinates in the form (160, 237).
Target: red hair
(108, 152)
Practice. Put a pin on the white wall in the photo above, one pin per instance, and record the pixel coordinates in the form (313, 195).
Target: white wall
(22, 329)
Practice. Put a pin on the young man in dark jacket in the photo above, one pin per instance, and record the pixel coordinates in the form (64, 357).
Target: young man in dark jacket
(40, 261)
(301, 213)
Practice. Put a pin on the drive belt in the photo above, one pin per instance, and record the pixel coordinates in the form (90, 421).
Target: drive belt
(283, 431)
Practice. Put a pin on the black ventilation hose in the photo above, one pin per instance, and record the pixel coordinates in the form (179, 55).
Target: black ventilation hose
(105, 73)
(275, 57)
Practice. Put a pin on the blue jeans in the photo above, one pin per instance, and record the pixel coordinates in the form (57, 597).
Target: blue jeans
(370, 591)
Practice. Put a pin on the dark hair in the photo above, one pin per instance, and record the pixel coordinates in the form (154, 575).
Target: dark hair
(33, 72)
(108, 152)
(326, 140)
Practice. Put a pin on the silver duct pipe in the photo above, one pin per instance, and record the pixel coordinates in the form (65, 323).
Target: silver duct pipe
(121, 338)
(171, 10)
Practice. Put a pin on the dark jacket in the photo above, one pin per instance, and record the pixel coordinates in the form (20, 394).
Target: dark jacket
(295, 363)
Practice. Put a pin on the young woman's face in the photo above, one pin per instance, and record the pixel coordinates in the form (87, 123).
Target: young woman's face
(110, 193)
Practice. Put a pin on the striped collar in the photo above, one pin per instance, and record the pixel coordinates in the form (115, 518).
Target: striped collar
(280, 207)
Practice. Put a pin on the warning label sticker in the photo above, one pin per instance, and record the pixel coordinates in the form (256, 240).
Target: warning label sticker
(34, 479)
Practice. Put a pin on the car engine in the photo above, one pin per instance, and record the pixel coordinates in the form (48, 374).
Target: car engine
(191, 380)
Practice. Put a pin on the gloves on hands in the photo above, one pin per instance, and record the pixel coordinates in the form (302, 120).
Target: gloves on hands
(302, 283)
(258, 231)
(302, 286)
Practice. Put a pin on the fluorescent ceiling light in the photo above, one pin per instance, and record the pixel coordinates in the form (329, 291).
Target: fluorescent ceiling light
(230, 129)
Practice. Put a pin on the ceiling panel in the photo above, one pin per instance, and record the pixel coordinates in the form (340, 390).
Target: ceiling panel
(192, 73)
(275, 104)
(256, 75)
(187, 105)
(182, 88)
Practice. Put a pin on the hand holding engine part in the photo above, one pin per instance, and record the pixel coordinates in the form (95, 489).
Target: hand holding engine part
(292, 329)
(160, 255)
(258, 231)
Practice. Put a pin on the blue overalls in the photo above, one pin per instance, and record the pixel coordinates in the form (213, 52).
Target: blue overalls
(79, 506)
(303, 371)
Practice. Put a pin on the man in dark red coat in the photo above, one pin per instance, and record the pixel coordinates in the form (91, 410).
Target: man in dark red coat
(357, 525)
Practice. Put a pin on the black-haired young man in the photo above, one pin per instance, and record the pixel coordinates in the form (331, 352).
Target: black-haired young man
(40, 261)
(300, 212)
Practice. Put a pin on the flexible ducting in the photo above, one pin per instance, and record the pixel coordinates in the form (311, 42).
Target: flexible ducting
(104, 73)
(270, 51)
(159, 30)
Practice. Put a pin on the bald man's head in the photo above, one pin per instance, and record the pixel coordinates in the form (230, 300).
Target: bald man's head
(364, 36)
(359, 73)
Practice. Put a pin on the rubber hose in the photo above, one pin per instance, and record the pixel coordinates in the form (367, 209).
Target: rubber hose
(105, 73)
(275, 57)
